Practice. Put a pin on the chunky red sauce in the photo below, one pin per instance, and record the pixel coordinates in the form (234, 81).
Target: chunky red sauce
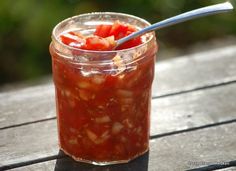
(103, 38)
(103, 117)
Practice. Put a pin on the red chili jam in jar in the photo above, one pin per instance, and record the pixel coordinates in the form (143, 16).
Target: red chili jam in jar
(103, 96)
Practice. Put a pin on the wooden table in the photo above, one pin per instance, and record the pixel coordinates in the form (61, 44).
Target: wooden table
(193, 121)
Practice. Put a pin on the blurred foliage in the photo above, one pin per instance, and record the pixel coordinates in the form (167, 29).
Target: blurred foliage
(26, 25)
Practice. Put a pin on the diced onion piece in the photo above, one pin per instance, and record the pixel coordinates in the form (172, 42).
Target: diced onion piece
(119, 62)
(139, 130)
(62, 92)
(123, 139)
(133, 80)
(67, 93)
(119, 149)
(91, 135)
(95, 139)
(126, 101)
(121, 76)
(124, 93)
(103, 119)
(111, 40)
(83, 95)
(127, 123)
(93, 96)
(105, 134)
(86, 95)
(72, 130)
(72, 103)
(101, 107)
(98, 79)
(83, 84)
(101, 140)
(116, 128)
(124, 108)
(73, 141)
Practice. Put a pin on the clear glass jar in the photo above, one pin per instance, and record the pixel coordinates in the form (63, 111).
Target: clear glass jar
(103, 97)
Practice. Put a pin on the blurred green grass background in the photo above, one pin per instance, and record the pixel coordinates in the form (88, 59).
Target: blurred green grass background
(26, 25)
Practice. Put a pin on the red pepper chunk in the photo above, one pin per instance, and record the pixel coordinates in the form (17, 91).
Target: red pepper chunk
(119, 30)
(73, 39)
(103, 38)
(98, 43)
(103, 30)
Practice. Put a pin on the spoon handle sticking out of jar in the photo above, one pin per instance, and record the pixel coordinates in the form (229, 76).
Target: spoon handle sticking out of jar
(201, 12)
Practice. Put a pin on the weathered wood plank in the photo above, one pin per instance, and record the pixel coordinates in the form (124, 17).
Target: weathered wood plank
(181, 74)
(228, 169)
(208, 145)
(193, 109)
(187, 151)
(195, 70)
(28, 142)
(44, 166)
(171, 113)
(27, 105)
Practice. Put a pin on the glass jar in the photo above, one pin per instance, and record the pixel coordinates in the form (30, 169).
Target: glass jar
(103, 97)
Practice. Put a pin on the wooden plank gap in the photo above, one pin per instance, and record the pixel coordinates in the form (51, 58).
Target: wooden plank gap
(27, 123)
(30, 162)
(195, 89)
(220, 165)
(192, 129)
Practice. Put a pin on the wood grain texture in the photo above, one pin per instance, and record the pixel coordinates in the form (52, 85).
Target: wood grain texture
(194, 109)
(190, 150)
(228, 169)
(194, 71)
(28, 142)
(27, 105)
(45, 166)
(187, 151)
(182, 74)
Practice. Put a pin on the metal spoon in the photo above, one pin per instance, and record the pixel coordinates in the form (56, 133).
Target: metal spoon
(209, 10)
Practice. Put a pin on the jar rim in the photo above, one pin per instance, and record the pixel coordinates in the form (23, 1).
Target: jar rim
(63, 22)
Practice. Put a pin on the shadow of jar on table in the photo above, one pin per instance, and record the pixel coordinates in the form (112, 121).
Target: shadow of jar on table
(66, 163)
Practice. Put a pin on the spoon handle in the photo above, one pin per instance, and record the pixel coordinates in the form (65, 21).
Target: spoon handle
(209, 10)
